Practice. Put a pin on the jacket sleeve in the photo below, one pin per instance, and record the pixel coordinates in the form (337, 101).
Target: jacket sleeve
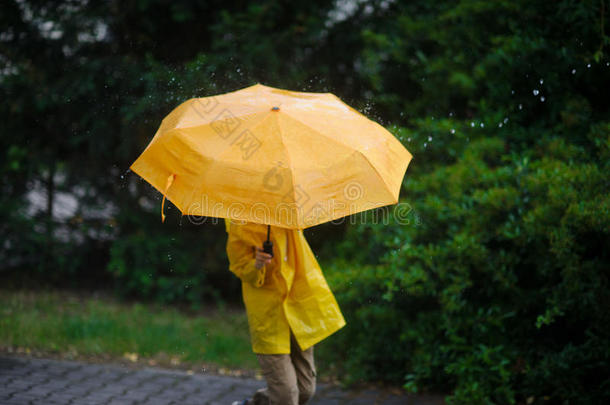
(242, 257)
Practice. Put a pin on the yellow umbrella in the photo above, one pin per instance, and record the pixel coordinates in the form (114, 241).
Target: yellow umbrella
(271, 156)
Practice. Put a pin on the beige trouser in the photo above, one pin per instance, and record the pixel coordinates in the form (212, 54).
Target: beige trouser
(291, 378)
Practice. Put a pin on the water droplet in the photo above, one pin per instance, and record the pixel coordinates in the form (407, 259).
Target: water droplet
(500, 125)
(521, 106)
(535, 92)
(588, 65)
(505, 120)
(573, 71)
(512, 92)
(482, 125)
(541, 81)
(429, 139)
(452, 131)
(472, 124)
(542, 99)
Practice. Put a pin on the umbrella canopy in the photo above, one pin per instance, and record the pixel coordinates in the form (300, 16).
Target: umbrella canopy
(272, 156)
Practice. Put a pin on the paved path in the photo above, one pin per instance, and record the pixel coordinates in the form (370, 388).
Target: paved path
(32, 381)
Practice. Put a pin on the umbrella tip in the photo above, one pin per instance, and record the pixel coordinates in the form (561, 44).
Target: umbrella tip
(275, 109)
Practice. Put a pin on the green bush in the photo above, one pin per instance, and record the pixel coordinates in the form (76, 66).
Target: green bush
(151, 262)
(497, 289)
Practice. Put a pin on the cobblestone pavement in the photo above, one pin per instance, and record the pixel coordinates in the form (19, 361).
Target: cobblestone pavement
(32, 381)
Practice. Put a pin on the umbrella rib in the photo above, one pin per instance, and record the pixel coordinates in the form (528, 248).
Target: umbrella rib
(290, 168)
(325, 135)
(378, 175)
(348, 146)
(240, 118)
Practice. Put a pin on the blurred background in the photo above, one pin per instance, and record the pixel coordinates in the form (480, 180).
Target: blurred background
(495, 291)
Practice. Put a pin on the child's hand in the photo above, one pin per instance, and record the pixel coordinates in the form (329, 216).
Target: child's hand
(262, 258)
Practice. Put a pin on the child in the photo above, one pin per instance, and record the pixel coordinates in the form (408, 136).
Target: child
(289, 306)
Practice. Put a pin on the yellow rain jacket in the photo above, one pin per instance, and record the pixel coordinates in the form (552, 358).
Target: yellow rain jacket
(290, 293)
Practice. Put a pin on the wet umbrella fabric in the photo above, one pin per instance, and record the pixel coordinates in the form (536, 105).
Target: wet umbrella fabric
(272, 156)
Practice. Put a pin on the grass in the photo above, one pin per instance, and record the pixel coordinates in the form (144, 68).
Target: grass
(97, 326)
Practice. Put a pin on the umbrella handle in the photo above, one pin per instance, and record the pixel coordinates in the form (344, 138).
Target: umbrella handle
(268, 245)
